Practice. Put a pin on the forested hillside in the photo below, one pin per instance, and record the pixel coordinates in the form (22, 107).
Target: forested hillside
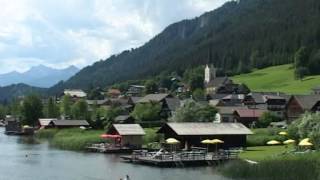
(7, 93)
(236, 37)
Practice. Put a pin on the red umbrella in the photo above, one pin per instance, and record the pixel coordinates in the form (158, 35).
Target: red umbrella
(112, 136)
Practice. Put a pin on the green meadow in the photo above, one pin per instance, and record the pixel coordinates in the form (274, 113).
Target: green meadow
(278, 79)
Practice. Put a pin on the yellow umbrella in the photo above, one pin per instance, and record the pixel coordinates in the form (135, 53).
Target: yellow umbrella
(283, 133)
(216, 141)
(289, 141)
(207, 141)
(305, 140)
(273, 142)
(172, 141)
(305, 143)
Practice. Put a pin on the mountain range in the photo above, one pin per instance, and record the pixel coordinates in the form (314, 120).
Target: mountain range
(237, 37)
(38, 76)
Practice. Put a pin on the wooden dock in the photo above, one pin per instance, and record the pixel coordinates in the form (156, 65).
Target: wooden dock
(180, 159)
(108, 149)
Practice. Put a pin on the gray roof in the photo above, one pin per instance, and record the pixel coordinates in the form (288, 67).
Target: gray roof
(173, 103)
(153, 97)
(135, 99)
(258, 98)
(129, 129)
(98, 102)
(234, 96)
(229, 109)
(307, 101)
(70, 122)
(209, 128)
(46, 122)
(122, 117)
(218, 96)
(218, 81)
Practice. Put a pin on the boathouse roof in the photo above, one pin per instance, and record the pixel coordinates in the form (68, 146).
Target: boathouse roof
(70, 123)
(127, 129)
(196, 129)
(45, 122)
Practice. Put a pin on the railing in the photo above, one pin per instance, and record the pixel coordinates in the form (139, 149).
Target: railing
(185, 155)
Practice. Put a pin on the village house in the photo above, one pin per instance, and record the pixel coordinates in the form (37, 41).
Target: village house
(124, 119)
(316, 90)
(221, 85)
(299, 104)
(56, 123)
(226, 113)
(248, 117)
(233, 100)
(113, 93)
(131, 135)
(191, 134)
(135, 90)
(12, 125)
(75, 93)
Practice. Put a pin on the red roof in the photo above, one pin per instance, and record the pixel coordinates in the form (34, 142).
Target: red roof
(250, 113)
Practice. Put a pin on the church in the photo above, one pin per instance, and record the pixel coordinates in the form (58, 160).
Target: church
(221, 85)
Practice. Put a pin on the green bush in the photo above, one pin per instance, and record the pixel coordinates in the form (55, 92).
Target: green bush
(263, 135)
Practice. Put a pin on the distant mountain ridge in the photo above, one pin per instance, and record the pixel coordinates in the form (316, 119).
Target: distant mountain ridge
(38, 76)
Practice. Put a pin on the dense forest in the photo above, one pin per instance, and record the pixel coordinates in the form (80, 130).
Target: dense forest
(7, 93)
(236, 37)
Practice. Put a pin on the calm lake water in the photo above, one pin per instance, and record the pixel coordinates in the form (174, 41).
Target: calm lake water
(45, 163)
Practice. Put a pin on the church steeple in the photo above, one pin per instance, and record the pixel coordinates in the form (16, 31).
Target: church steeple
(209, 73)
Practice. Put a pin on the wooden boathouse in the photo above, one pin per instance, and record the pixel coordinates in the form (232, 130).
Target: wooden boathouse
(191, 134)
(130, 135)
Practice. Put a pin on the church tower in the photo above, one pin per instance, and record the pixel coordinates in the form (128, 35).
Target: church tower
(209, 73)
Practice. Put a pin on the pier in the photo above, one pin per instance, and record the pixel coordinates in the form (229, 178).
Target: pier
(180, 159)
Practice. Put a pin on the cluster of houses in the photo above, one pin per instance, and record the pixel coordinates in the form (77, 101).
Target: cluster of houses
(238, 110)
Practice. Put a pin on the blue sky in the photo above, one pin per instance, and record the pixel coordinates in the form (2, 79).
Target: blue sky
(59, 33)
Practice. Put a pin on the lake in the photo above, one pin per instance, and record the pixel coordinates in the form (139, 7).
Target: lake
(23, 158)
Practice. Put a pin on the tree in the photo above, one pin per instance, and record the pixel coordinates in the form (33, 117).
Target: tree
(266, 119)
(3, 112)
(165, 82)
(80, 110)
(66, 106)
(147, 111)
(308, 126)
(151, 87)
(301, 59)
(198, 95)
(195, 112)
(300, 72)
(32, 110)
(95, 94)
(52, 110)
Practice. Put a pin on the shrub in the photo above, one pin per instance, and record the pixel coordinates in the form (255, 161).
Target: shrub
(263, 135)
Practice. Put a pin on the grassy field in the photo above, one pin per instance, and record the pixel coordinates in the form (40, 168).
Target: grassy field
(77, 139)
(261, 153)
(291, 166)
(278, 79)
(70, 139)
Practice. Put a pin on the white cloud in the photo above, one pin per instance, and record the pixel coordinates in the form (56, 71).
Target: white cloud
(59, 33)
